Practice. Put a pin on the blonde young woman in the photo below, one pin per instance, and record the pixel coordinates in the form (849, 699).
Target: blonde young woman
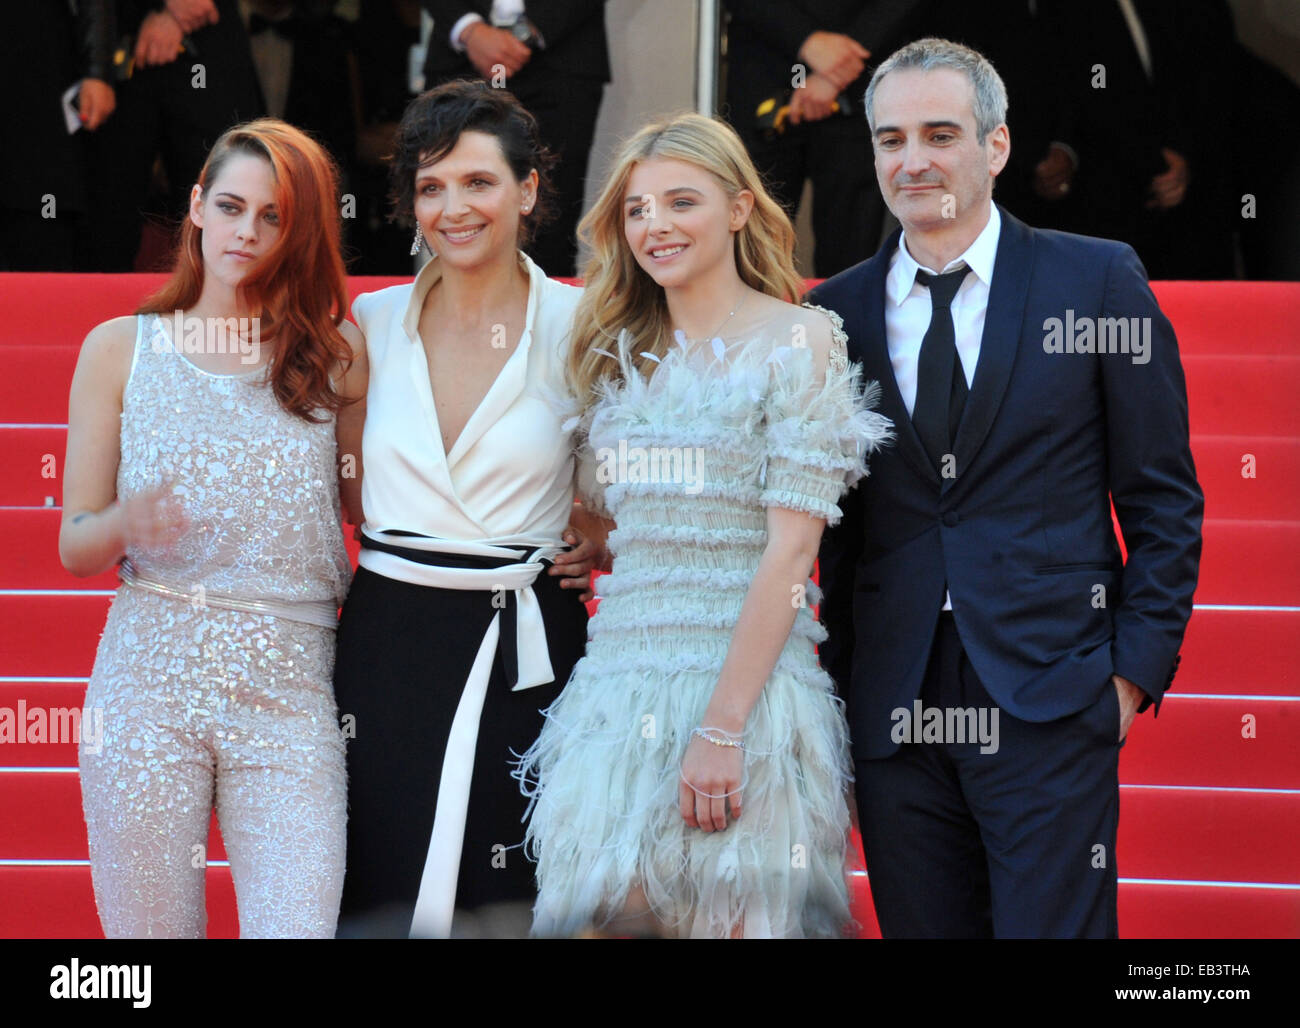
(691, 778)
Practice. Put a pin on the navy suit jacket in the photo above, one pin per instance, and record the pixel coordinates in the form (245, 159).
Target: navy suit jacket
(1021, 534)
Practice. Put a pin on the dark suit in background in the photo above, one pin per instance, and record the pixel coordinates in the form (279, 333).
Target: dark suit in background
(44, 49)
(161, 112)
(1025, 41)
(1120, 128)
(763, 41)
(561, 86)
(1019, 842)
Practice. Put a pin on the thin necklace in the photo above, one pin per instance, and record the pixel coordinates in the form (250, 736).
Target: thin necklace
(713, 335)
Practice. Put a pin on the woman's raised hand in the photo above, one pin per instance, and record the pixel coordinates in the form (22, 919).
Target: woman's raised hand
(153, 519)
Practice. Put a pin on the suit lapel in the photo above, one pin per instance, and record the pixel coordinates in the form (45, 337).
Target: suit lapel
(876, 355)
(998, 344)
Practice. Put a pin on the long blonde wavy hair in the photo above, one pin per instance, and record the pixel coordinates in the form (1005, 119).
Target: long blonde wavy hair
(620, 295)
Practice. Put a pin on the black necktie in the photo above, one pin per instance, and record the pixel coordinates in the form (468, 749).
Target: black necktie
(940, 381)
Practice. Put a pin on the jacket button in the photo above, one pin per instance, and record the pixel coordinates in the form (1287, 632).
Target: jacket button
(950, 518)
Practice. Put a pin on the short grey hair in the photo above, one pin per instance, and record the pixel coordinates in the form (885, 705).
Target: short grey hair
(990, 100)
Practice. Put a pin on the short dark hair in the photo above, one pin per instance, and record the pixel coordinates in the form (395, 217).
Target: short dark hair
(432, 124)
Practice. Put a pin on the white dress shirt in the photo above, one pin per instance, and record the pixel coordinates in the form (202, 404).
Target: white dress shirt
(1138, 34)
(508, 479)
(504, 12)
(273, 62)
(908, 310)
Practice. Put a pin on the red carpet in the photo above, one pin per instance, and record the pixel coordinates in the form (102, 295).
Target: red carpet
(1209, 840)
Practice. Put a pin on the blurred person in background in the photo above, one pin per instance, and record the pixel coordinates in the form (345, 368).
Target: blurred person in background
(833, 41)
(46, 50)
(191, 77)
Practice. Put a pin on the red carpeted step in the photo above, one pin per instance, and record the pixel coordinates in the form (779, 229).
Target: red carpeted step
(43, 818)
(58, 902)
(31, 537)
(37, 310)
(1175, 911)
(1245, 394)
(1209, 835)
(44, 636)
(34, 388)
(1228, 835)
(53, 699)
(1250, 562)
(1241, 652)
(31, 465)
(1165, 910)
(1272, 494)
(1197, 740)
(1208, 316)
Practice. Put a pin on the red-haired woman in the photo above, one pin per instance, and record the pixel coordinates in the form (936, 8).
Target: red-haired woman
(201, 456)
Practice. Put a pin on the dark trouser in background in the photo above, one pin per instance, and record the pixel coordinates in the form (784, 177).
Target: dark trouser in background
(566, 111)
(176, 110)
(847, 213)
(1017, 843)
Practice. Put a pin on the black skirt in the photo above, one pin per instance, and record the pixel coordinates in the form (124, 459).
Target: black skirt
(404, 654)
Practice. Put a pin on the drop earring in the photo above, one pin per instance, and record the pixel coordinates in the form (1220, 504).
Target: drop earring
(418, 241)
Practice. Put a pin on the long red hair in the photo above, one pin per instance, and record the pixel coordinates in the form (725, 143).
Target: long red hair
(298, 290)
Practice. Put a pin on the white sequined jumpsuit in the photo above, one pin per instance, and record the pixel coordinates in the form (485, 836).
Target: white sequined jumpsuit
(214, 672)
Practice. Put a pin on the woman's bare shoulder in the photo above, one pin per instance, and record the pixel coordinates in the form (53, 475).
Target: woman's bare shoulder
(109, 347)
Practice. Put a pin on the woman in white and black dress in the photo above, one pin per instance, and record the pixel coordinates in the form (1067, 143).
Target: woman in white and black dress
(466, 614)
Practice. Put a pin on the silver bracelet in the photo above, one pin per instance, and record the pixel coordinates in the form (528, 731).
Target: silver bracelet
(730, 738)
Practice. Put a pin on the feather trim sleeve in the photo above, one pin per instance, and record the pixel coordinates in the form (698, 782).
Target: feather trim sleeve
(820, 429)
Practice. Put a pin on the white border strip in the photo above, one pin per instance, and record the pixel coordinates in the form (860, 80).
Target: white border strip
(20, 862)
(1210, 885)
(1214, 788)
(1244, 606)
(858, 873)
(58, 592)
(30, 424)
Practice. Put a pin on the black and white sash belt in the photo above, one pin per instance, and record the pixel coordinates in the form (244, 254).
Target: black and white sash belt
(502, 571)
(505, 572)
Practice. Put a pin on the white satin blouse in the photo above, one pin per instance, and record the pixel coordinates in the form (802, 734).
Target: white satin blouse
(508, 479)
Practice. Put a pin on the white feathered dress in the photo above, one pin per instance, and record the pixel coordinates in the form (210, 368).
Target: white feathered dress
(756, 425)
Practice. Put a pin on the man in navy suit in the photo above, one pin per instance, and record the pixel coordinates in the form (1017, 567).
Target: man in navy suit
(990, 644)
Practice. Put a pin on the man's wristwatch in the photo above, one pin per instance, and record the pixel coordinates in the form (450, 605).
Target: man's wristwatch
(526, 32)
